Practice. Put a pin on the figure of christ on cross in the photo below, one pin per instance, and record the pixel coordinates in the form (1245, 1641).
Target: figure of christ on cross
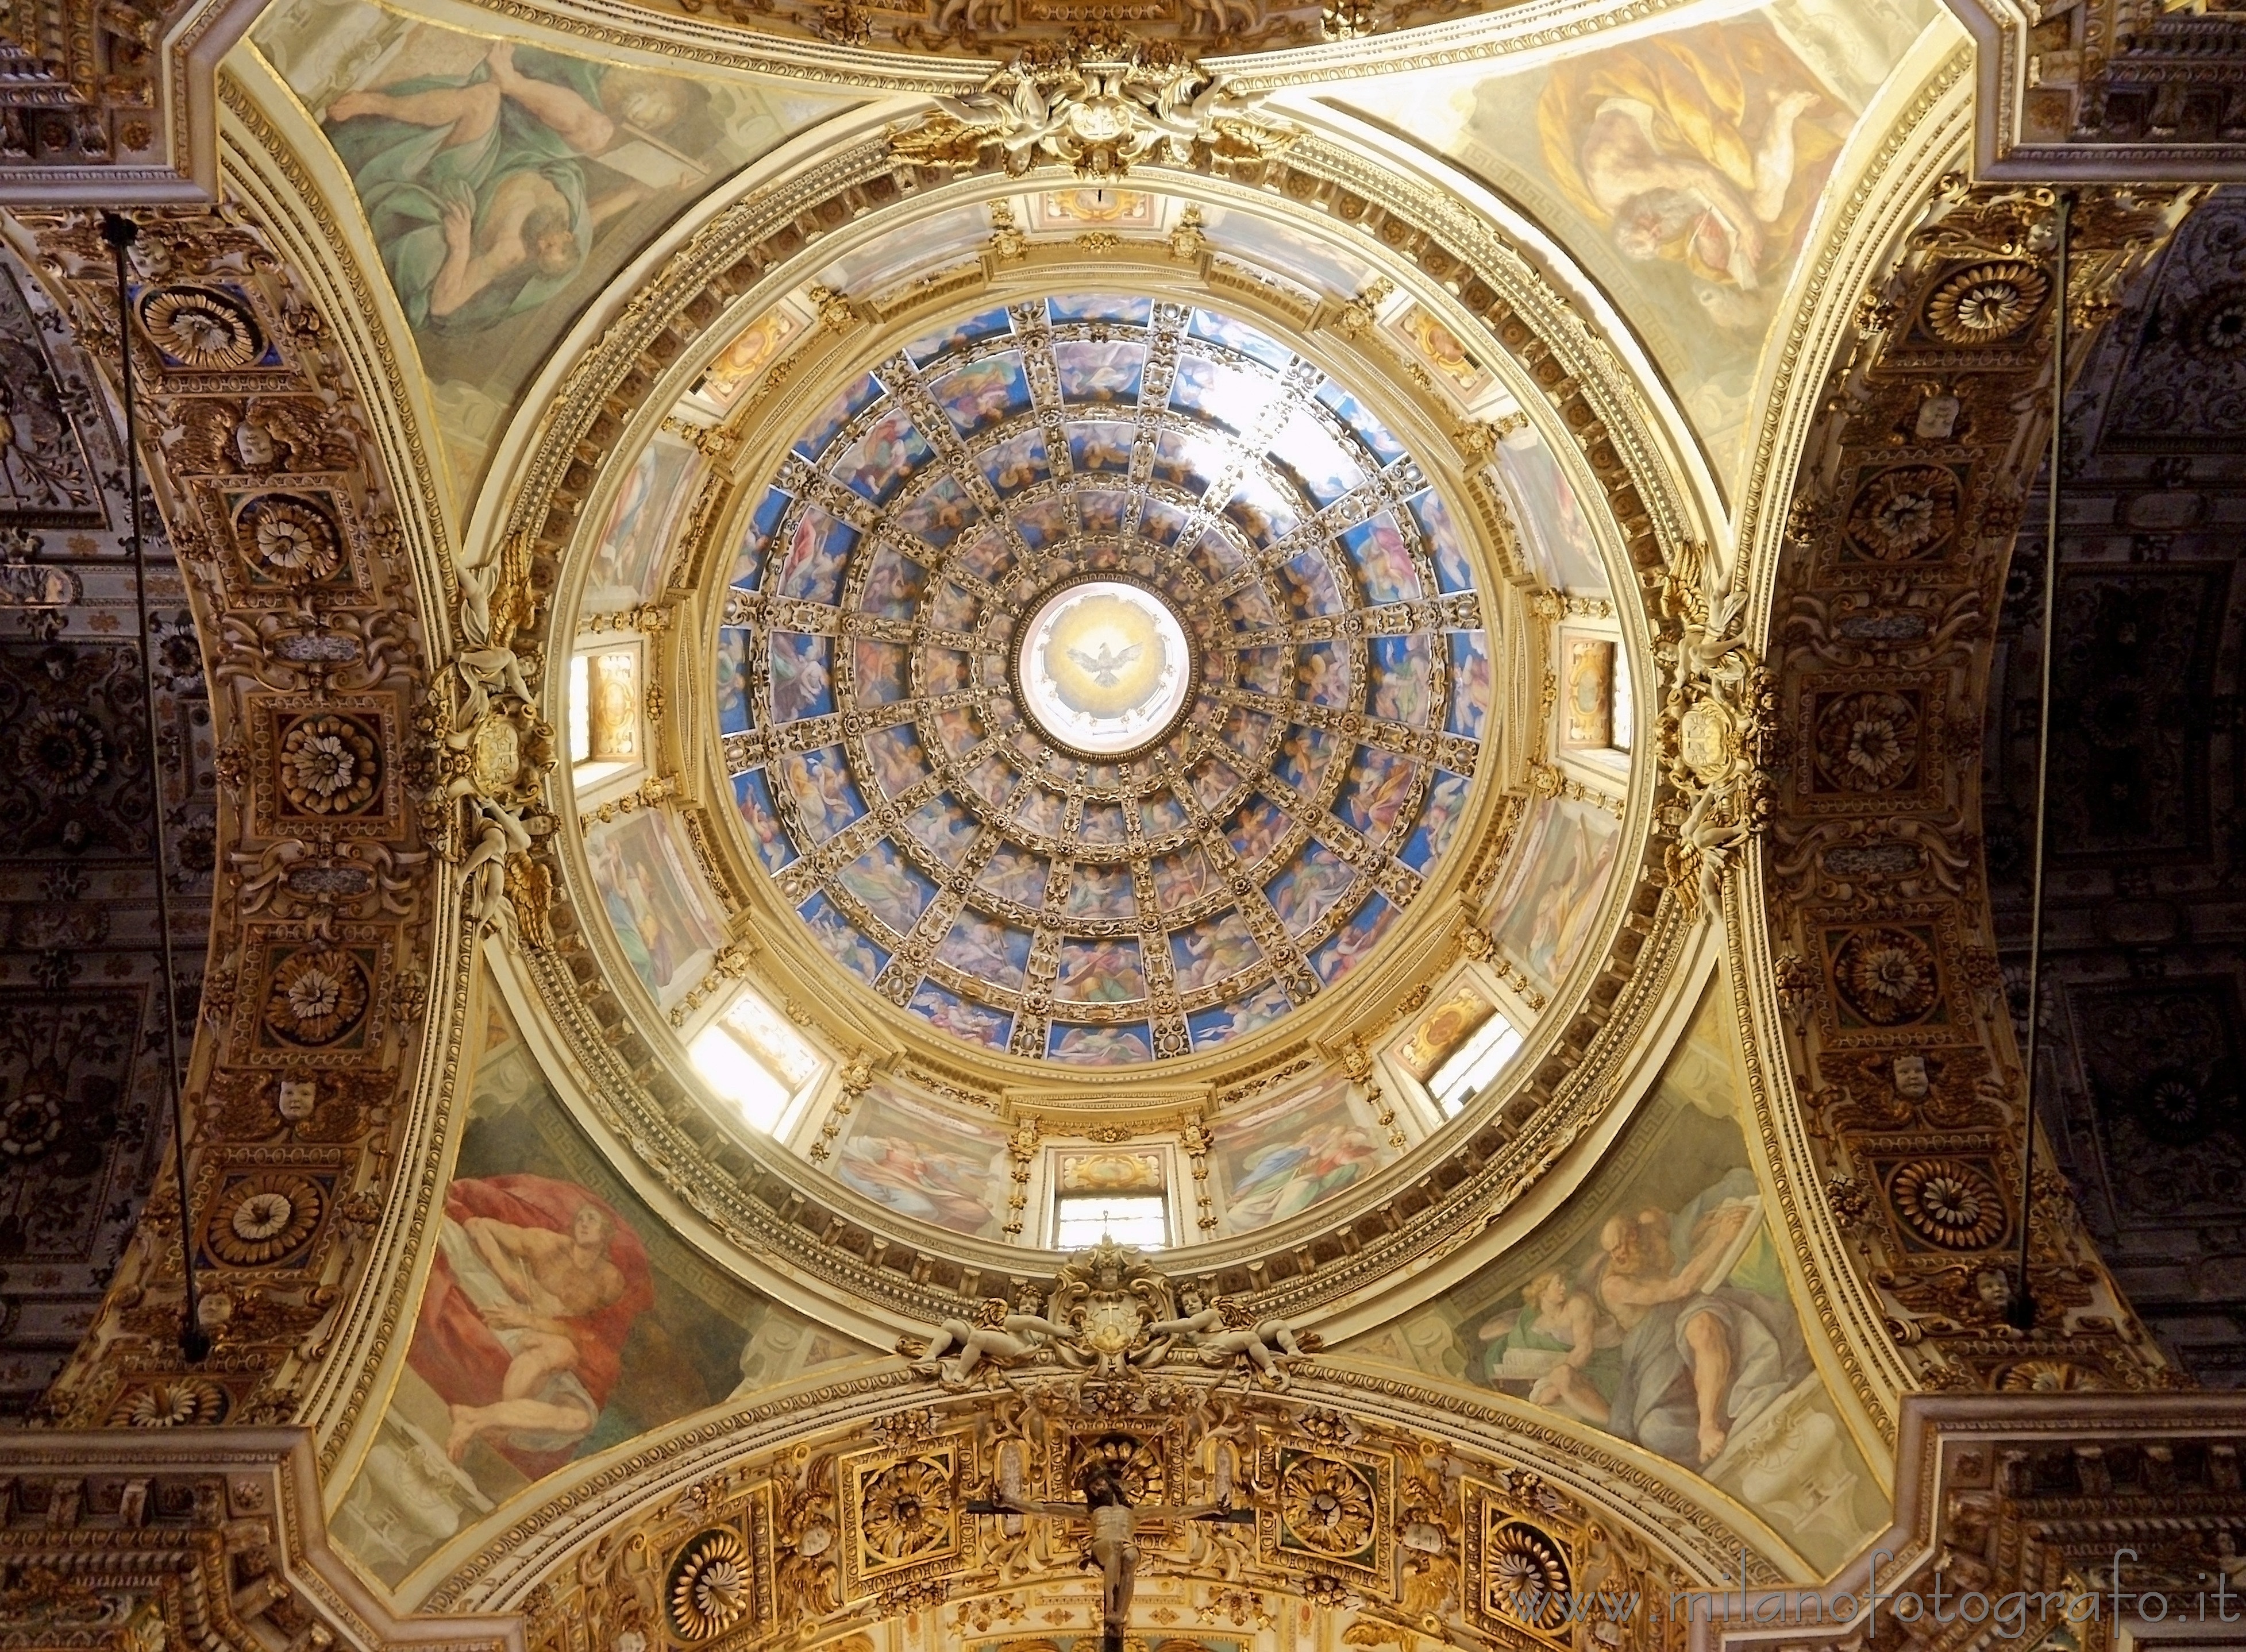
(1114, 1549)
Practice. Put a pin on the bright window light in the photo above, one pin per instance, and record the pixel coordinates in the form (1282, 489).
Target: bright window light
(1624, 710)
(1081, 1220)
(612, 706)
(767, 1037)
(1473, 1064)
(739, 1077)
(580, 707)
(754, 1060)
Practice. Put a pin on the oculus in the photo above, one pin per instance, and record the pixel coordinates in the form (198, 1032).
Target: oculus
(1103, 667)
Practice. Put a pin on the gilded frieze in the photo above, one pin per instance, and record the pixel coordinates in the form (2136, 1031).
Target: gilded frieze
(327, 934)
(1898, 532)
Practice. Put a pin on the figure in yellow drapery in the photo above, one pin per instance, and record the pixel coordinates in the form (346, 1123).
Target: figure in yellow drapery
(1701, 146)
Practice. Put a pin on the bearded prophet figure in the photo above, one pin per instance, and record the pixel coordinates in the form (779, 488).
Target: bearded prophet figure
(1700, 1354)
(535, 1290)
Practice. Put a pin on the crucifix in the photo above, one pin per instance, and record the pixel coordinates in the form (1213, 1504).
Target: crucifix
(1114, 1519)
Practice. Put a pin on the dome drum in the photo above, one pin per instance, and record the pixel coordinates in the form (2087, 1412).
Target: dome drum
(1349, 767)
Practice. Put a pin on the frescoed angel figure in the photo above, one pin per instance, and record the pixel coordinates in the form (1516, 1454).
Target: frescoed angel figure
(478, 186)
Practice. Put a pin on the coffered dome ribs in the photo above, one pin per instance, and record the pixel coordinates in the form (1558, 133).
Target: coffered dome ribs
(1057, 902)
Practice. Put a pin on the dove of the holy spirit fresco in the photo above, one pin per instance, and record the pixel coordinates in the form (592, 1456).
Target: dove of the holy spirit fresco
(1104, 665)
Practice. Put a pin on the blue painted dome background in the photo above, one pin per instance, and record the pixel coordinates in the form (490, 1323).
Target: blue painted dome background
(936, 845)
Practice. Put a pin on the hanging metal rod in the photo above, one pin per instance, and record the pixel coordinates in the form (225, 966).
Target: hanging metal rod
(2020, 1312)
(195, 1343)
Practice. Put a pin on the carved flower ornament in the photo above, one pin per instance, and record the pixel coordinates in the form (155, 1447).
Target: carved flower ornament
(316, 998)
(329, 765)
(61, 753)
(709, 1588)
(2222, 323)
(291, 539)
(32, 1120)
(200, 329)
(261, 1219)
(1904, 512)
(179, 1402)
(2045, 1376)
(902, 1510)
(1948, 1202)
(1135, 1462)
(1866, 742)
(1987, 304)
(1327, 1504)
(1528, 1576)
(1886, 976)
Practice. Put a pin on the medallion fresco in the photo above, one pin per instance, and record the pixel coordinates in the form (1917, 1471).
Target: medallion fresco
(562, 1316)
(1653, 1307)
(1100, 907)
(1683, 168)
(505, 185)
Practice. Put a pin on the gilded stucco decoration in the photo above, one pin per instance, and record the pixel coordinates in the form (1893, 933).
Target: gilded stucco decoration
(1890, 998)
(1715, 723)
(1402, 1533)
(1111, 1314)
(1101, 106)
(326, 931)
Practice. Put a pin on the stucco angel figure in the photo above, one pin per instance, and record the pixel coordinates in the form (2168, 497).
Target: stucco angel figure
(1114, 1548)
(1708, 601)
(995, 1333)
(1228, 1328)
(494, 594)
(498, 834)
(1012, 107)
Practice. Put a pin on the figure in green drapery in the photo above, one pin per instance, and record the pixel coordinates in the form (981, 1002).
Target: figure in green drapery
(479, 188)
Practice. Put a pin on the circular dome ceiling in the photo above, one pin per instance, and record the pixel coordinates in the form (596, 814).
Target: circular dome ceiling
(1102, 679)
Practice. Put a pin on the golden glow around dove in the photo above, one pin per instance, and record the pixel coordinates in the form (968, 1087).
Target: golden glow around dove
(1104, 655)
(1102, 666)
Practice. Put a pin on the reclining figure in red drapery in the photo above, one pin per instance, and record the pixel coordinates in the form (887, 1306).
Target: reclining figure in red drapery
(536, 1285)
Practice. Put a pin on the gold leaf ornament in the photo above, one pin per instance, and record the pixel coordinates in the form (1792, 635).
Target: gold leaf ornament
(1526, 1576)
(709, 1589)
(1987, 304)
(261, 1219)
(1328, 1505)
(201, 328)
(903, 1509)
